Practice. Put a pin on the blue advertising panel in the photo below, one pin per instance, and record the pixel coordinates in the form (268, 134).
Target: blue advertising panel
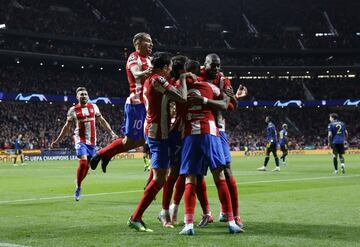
(121, 101)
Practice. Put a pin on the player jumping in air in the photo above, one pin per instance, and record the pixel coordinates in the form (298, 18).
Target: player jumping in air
(84, 115)
(138, 68)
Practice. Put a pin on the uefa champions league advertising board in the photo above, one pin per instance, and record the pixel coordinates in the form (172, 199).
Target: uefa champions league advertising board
(49, 98)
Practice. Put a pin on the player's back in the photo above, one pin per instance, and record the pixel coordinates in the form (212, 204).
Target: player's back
(338, 130)
(200, 118)
(271, 132)
(283, 137)
(157, 107)
(18, 143)
(136, 85)
(178, 123)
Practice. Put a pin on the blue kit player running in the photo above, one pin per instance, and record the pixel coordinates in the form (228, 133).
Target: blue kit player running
(271, 146)
(84, 115)
(337, 135)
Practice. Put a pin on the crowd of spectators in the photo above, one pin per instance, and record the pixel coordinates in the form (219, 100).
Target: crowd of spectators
(49, 45)
(53, 79)
(40, 123)
(93, 26)
(278, 24)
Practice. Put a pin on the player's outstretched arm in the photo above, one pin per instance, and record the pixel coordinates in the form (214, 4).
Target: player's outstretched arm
(217, 105)
(105, 125)
(64, 131)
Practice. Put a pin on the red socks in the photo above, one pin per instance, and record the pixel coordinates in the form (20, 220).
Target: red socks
(202, 195)
(225, 199)
(231, 183)
(179, 189)
(113, 149)
(149, 194)
(167, 191)
(190, 202)
(82, 171)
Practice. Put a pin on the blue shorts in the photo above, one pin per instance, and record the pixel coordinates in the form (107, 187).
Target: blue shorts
(134, 117)
(225, 146)
(85, 149)
(159, 150)
(200, 152)
(175, 144)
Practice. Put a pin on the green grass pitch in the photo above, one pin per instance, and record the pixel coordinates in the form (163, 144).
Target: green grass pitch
(303, 205)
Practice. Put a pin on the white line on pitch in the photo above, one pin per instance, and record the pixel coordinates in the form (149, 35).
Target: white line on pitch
(136, 191)
(11, 245)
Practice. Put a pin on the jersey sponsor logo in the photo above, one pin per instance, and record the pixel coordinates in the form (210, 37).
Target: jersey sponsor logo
(352, 103)
(105, 100)
(288, 103)
(40, 97)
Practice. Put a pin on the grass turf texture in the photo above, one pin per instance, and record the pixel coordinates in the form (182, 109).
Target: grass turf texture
(303, 205)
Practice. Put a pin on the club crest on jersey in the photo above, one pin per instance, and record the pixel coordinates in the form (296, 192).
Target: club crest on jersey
(132, 57)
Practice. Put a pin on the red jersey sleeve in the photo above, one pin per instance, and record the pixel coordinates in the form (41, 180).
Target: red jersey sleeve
(132, 60)
(160, 84)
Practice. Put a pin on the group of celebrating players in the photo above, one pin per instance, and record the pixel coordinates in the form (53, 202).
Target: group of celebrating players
(175, 106)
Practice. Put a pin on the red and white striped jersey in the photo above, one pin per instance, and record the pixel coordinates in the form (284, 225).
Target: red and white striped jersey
(84, 117)
(222, 82)
(200, 118)
(177, 124)
(157, 107)
(136, 85)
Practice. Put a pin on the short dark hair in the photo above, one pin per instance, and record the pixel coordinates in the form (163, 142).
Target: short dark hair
(269, 118)
(192, 66)
(140, 36)
(80, 89)
(160, 59)
(334, 116)
(179, 62)
(211, 56)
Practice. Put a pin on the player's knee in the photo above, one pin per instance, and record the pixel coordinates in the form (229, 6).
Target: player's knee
(160, 176)
(174, 171)
(227, 172)
(218, 174)
(190, 179)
